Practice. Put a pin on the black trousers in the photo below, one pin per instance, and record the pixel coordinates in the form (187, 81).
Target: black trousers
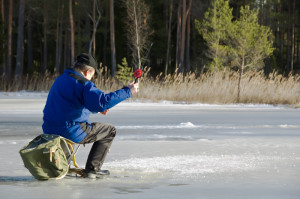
(102, 135)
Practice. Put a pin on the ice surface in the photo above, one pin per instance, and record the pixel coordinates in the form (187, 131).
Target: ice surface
(166, 150)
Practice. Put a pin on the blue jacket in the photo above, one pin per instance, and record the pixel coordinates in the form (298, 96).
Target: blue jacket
(71, 100)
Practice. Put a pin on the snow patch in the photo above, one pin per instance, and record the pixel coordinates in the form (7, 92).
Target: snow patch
(191, 165)
(179, 126)
(187, 125)
(289, 126)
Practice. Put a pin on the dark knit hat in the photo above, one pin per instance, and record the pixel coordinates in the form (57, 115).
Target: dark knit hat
(89, 60)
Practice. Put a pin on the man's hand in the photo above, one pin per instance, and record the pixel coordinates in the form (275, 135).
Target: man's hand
(133, 87)
(105, 112)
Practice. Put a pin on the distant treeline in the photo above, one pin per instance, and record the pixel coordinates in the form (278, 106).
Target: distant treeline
(38, 36)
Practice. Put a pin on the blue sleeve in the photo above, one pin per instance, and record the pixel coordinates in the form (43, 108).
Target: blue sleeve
(97, 101)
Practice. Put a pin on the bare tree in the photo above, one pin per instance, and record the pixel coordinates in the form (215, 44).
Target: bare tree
(112, 38)
(20, 44)
(92, 46)
(138, 30)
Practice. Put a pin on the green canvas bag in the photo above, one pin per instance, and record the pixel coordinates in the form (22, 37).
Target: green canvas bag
(45, 158)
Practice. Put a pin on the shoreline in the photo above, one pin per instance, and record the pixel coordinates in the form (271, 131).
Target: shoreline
(31, 95)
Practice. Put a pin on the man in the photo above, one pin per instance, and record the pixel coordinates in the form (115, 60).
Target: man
(71, 100)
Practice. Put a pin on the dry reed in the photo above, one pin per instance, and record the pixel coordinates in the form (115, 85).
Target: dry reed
(213, 88)
(221, 88)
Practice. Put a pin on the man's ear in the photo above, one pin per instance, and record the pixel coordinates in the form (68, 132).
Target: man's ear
(92, 72)
(85, 73)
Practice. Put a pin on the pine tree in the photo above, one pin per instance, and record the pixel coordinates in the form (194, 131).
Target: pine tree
(249, 42)
(124, 73)
(214, 29)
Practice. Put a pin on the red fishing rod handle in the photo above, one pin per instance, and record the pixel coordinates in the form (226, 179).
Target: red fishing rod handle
(137, 74)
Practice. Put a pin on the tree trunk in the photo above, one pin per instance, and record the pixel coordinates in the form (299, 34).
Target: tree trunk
(72, 39)
(87, 33)
(2, 65)
(45, 51)
(266, 23)
(66, 48)
(194, 46)
(59, 38)
(261, 9)
(298, 48)
(60, 46)
(105, 35)
(169, 37)
(29, 44)
(281, 38)
(94, 28)
(137, 36)
(240, 78)
(95, 25)
(20, 44)
(182, 42)
(183, 34)
(2, 10)
(112, 38)
(178, 40)
(293, 37)
(57, 43)
(278, 29)
(187, 47)
(138, 31)
(288, 52)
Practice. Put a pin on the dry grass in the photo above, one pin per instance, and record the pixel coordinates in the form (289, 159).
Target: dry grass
(214, 88)
(35, 82)
(221, 88)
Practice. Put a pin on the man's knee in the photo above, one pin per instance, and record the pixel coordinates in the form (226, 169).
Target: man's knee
(103, 131)
(113, 131)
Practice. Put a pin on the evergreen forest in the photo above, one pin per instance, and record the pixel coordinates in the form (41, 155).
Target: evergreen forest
(237, 46)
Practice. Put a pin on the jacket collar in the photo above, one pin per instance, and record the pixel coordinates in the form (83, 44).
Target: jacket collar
(71, 70)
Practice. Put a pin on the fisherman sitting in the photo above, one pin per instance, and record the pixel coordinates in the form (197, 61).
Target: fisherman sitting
(71, 100)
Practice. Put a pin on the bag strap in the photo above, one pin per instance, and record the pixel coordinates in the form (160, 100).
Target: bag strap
(71, 146)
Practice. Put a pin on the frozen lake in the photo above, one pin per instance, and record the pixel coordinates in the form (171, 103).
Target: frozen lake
(166, 150)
